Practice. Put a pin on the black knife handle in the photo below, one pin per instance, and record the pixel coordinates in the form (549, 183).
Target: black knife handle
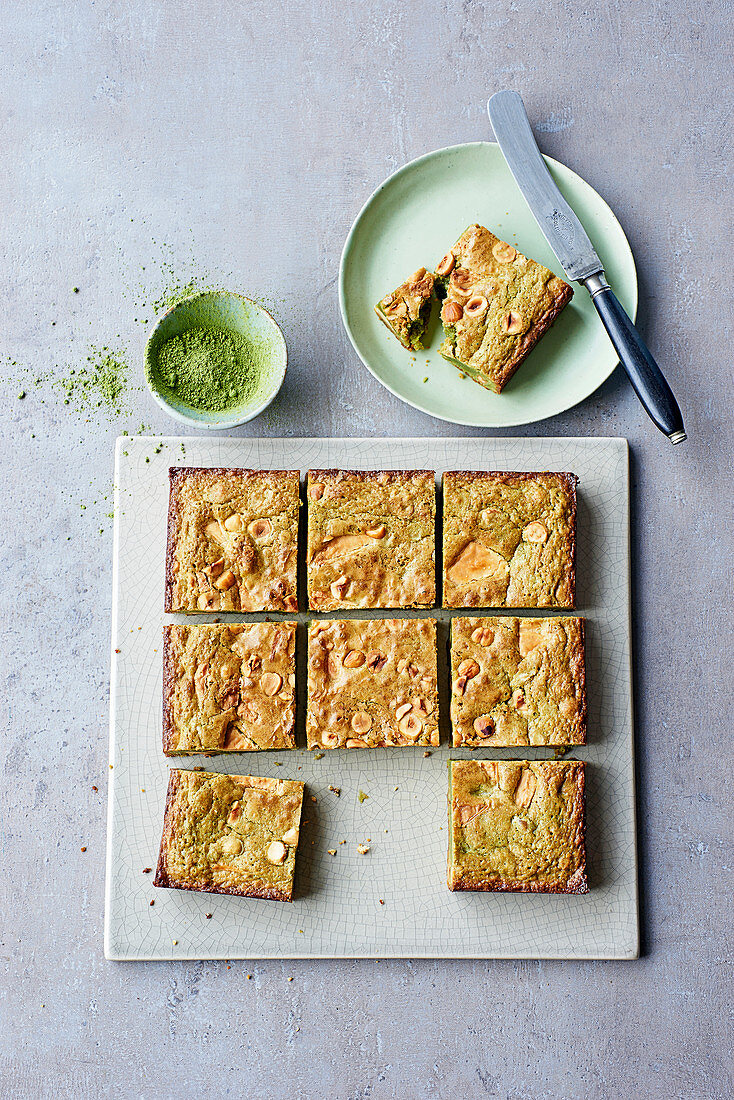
(642, 370)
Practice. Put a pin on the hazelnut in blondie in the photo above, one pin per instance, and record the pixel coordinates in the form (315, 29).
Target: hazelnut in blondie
(372, 683)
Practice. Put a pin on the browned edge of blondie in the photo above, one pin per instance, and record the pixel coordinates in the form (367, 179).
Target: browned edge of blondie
(534, 335)
(169, 684)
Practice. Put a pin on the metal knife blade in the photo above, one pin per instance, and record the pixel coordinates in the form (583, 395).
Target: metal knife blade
(568, 239)
(560, 226)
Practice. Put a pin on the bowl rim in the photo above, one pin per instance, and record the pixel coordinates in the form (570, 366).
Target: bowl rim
(237, 418)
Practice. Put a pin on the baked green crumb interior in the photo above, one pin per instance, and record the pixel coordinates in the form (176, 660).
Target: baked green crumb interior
(407, 310)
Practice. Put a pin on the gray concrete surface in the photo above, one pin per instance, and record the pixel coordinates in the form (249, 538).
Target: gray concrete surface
(247, 135)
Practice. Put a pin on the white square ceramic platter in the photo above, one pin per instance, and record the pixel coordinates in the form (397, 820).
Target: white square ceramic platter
(393, 901)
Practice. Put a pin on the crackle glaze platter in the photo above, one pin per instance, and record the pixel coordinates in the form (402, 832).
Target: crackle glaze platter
(393, 901)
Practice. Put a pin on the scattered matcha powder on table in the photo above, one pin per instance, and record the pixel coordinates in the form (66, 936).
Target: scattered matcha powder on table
(101, 383)
(177, 290)
(212, 370)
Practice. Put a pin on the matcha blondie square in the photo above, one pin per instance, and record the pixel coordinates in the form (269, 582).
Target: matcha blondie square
(509, 539)
(372, 683)
(228, 688)
(371, 539)
(407, 310)
(498, 304)
(230, 834)
(518, 682)
(517, 826)
(232, 540)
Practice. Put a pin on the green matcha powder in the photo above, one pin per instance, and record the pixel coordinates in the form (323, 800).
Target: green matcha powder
(212, 370)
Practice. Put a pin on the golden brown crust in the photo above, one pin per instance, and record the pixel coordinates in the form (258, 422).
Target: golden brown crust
(372, 683)
(511, 476)
(371, 538)
(498, 305)
(518, 682)
(378, 477)
(228, 688)
(211, 820)
(169, 687)
(509, 539)
(232, 540)
(517, 825)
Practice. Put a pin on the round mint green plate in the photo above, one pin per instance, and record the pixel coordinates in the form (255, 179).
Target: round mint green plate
(411, 220)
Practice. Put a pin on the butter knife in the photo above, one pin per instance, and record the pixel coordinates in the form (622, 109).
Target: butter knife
(568, 239)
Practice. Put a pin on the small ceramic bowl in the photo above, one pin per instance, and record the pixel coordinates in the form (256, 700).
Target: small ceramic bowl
(228, 313)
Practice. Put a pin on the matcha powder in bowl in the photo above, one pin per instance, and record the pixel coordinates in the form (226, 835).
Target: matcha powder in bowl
(215, 360)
